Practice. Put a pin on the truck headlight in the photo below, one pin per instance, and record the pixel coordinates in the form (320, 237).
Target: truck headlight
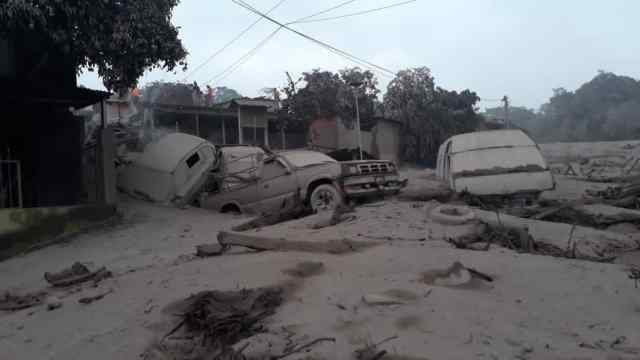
(349, 169)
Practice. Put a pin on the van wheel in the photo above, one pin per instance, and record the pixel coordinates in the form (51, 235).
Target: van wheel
(325, 197)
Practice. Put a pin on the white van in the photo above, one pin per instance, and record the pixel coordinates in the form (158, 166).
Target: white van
(494, 162)
(171, 170)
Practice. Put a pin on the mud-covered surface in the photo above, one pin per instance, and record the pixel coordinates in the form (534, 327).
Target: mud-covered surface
(404, 296)
(498, 170)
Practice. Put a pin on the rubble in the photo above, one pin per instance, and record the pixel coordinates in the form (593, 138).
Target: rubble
(76, 274)
(213, 321)
(566, 240)
(455, 275)
(53, 302)
(14, 302)
(89, 299)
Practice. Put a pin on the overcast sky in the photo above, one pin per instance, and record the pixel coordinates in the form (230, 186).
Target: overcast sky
(519, 48)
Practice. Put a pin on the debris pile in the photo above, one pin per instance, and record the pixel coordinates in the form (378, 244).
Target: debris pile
(213, 321)
(76, 274)
(14, 302)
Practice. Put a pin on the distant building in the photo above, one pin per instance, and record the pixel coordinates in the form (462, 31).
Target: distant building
(239, 121)
(380, 139)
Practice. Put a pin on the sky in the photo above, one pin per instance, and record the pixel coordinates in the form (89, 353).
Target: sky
(522, 49)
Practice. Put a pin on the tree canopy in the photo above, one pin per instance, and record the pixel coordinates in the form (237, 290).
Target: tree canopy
(605, 108)
(429, 114)
(326, 95)
(121, 39)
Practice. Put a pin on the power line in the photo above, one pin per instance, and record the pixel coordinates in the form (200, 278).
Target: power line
(342, 53)
(355, 13)
(322, 12)
(223, 48)
(244, 58)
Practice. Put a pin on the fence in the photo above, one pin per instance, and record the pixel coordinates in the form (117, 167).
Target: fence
(10, 184)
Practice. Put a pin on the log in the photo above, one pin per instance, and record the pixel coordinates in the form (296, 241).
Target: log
(262, 243)
(573, 241)
(292, 208)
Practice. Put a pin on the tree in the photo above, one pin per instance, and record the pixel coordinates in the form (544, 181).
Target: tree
(429, 115)
(224, 94)
(604, 108)
(119, 38)
(519, 116)
(172, 93)
(328, 95)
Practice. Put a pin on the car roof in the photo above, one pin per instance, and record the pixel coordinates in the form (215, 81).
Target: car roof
(489, 139)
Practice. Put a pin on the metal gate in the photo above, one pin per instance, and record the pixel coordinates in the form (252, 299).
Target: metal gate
(10, 184)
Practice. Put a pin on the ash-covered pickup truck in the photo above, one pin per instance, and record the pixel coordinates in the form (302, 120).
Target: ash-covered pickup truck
(364, 178)
(251, 179)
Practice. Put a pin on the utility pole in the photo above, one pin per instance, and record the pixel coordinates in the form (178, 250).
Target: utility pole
(355, 86)
(276, 97)
(505, 99)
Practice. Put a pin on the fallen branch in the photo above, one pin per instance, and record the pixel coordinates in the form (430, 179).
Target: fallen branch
(302, 347)
(90, 299)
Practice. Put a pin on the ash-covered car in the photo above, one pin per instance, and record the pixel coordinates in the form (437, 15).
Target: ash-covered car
(365, 178)
(250, 179)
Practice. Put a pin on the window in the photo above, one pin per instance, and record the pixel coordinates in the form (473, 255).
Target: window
(273, 169)
(192, 160)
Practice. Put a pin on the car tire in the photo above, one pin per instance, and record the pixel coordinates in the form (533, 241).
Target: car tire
(452, 215)
(325, 197)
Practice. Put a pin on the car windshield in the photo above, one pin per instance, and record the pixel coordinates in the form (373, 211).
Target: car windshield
(306, 158)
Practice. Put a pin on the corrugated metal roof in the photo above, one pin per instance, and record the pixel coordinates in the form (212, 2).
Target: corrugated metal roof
(490, 139)
(255, 102)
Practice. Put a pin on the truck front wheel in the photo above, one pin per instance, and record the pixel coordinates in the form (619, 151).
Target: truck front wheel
(325, 197)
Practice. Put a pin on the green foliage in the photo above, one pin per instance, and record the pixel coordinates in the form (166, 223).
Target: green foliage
(327, 95)
(605, 108)
(429, 114)
(170, 93)
(121, 39)
(224, 94)
(519, 116)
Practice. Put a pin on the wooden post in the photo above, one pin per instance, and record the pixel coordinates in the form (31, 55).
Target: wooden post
(239, 127)
(224, 133)
(197, 124)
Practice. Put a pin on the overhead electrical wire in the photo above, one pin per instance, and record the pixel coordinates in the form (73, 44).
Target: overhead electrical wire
(244, 58)
(322, 12)
(340, 52)
(228, 44)
(355, 13)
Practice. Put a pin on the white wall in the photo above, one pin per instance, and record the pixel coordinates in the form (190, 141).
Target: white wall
(348, 138)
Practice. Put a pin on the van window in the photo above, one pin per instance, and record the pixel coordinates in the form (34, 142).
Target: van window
(192, 160)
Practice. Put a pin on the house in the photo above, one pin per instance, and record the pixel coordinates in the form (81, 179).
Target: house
(239, 121)
(380, 137)
(41, 142)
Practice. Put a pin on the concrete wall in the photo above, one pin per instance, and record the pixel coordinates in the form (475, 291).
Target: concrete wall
(323, 133)
(386, 144)
(348, 138)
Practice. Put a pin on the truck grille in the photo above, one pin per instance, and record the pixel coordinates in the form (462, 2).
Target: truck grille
(374, 168)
